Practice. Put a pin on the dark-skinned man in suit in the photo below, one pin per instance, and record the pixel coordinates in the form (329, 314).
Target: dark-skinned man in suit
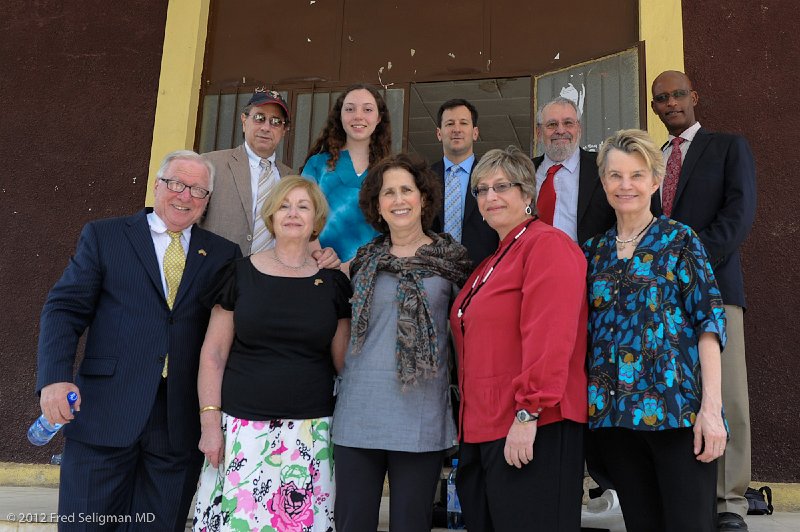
(714, 192)
(135, 282)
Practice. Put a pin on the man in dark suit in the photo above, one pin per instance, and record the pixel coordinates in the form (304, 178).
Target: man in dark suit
(580, 206)
(713, 190)
(459, 215)
(131, 450)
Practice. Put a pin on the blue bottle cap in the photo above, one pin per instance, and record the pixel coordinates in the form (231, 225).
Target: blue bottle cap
(72, 398)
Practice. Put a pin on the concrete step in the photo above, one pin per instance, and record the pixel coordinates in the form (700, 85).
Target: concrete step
(37, 507)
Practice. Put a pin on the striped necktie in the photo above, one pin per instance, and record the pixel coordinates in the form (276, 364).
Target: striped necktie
(174, 263)
(262, 239)
(453, 206)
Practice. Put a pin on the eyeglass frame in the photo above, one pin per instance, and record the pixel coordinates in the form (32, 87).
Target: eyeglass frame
(677, 94)
(183, 186)
(483, 190)
(274, 121)
(552, 125)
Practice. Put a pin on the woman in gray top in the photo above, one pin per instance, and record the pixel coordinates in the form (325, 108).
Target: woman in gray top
(392, 413)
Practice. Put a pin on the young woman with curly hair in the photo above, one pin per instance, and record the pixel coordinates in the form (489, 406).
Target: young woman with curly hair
(356, 136)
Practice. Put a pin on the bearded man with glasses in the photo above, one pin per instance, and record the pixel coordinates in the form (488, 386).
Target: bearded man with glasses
(567, 185)
(571, 198)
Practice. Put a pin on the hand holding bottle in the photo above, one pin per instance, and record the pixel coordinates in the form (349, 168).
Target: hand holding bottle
(54, 404)
(42, 431)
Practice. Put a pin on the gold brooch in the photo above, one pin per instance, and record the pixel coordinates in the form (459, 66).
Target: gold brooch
(202, 252)
(318, 282)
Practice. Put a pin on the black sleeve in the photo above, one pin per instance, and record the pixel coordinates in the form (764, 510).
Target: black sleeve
(223, 289)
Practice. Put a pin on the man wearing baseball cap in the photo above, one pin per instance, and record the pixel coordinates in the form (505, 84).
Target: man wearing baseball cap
(246, 174)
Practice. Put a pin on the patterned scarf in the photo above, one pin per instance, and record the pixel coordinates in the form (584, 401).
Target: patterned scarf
(416, 348)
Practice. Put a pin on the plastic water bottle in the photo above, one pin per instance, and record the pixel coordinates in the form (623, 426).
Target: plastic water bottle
(41, 432)
(455, 521)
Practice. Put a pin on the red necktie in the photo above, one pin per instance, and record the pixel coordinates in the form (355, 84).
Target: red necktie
(546, 203)
(671, 177)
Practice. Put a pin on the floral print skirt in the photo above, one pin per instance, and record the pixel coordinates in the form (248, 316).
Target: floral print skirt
(276, 476)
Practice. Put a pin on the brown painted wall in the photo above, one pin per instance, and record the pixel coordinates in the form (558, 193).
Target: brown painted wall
(79, 86)
(743, 58)
(350, 40)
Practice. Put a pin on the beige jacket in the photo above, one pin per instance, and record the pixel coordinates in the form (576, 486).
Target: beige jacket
(230, 209)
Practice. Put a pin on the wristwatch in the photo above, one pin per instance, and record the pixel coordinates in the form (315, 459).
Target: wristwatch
(523, 416)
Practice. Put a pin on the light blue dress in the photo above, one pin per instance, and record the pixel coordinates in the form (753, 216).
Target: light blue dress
(346, 229)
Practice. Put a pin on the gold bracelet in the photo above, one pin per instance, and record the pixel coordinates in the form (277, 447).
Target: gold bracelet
(210, 408)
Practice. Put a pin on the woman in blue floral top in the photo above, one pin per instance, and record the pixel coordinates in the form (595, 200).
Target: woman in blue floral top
(656, 331)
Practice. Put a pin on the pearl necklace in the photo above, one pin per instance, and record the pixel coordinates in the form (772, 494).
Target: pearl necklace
(624, 243)
(277, 259)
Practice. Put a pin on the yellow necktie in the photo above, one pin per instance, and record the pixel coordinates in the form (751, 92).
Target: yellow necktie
(174, 262)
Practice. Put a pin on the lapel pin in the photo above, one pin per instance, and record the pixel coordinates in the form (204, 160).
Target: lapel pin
(318, 282)
(202, 252)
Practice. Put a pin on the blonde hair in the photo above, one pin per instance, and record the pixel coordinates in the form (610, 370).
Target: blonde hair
(278, 194)
(633, 141)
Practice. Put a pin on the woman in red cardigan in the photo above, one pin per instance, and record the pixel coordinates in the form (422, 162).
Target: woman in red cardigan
(520, 331)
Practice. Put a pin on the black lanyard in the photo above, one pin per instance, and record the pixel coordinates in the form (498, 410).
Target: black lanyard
(476, 287)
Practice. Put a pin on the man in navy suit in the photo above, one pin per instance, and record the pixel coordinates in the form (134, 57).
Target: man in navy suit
(581, 208)
(458, 131)
(131, 451)
(715, 194)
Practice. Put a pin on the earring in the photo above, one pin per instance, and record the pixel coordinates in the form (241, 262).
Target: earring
(528, 209)
(379, 217)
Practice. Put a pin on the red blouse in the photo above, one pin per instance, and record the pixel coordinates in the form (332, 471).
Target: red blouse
(523, 341)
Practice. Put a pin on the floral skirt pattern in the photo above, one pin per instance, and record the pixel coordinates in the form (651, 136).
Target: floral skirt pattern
(276, 476)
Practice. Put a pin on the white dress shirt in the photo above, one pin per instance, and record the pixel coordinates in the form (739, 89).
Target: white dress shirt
(566, 184)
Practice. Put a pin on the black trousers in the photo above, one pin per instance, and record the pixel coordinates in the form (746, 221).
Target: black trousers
(595, 465)
(413, 478)
(661, 486)
(146, 486)
(545, 495)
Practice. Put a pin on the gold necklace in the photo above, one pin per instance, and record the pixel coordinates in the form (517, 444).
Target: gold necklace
(277, 259)
(622, 244)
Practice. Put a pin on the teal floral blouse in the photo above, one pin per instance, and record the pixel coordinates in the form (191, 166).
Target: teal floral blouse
(646, 315)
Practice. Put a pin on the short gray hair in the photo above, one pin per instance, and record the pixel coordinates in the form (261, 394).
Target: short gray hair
(187, 155)
(560, 101)
(513, 162)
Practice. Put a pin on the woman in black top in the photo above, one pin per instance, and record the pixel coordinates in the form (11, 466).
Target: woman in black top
(278, 332)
